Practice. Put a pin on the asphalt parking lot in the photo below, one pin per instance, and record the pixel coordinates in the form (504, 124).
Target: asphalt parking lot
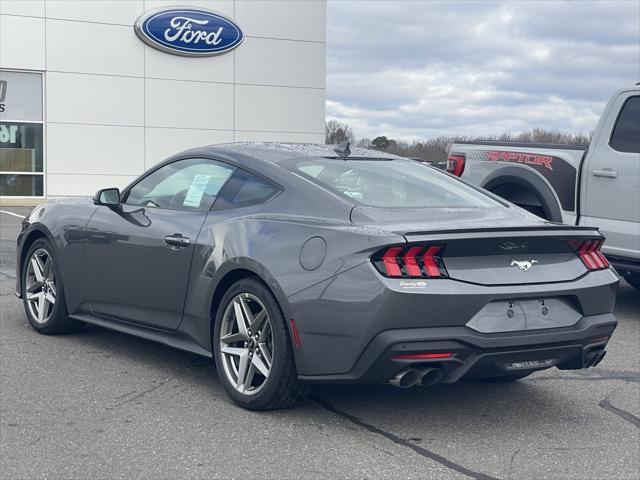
(100, 404)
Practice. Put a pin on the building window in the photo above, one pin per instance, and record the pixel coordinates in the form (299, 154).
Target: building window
(21, 135)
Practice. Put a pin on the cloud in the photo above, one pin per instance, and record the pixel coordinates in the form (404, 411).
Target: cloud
(412, 69)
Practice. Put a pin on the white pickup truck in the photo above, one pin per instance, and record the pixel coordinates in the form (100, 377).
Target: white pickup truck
(596, 185)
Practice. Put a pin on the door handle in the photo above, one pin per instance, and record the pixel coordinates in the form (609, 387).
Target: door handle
(605, 173)
(176, 241)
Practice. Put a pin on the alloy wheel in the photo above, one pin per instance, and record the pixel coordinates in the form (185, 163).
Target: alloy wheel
(246, 343)
(41, 291)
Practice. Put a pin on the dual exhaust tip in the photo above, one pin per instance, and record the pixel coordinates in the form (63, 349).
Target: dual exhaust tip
(594, 357)
(427, 377)
(410, 377)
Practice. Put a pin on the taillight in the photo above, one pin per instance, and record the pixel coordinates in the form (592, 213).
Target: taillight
(590, 254)
(411, 261)
(390, 263)
(455, 164)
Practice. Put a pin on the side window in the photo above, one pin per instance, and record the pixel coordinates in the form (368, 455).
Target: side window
(626, 132)
(244, 189)
(191, 184)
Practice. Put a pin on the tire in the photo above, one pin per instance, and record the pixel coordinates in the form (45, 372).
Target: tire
(48, 288)
(536, 210)
(633, 279)
(527, 198)
(505, 378)
(242, 356)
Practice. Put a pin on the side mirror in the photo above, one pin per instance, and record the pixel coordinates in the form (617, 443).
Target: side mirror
(109, 197)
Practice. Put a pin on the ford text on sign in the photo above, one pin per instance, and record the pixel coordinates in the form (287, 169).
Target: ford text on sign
(192, 32)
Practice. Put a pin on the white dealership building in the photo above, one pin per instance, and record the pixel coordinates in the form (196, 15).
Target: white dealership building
(86, 104)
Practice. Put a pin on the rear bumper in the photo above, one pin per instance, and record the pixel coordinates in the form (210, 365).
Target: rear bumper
(476, 354)
(340, 319)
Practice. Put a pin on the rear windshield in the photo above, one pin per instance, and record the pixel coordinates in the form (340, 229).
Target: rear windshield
(391, 183)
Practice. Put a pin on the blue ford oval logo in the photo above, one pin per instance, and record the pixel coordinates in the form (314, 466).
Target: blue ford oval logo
(195, 32)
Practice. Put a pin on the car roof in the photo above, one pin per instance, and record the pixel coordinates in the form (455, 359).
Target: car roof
(276, 152)
(266, 158)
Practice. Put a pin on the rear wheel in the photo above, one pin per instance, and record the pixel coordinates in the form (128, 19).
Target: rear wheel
(536, 210)
(43, 292)
(252, 349)
(633, 279)
(523, 198)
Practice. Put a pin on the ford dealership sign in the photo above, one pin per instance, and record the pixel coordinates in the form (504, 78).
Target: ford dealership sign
(194, 32)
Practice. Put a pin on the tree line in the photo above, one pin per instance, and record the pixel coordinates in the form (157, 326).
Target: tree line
(436, 149)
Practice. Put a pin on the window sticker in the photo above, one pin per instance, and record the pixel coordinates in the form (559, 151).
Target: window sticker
(196, 190)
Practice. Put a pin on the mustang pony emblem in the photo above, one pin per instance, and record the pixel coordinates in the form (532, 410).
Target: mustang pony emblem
(524, 265)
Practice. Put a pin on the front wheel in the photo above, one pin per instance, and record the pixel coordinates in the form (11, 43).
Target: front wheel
(43, 292)
(252, 349)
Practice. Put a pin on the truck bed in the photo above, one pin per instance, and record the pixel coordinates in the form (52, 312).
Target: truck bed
(552, 171)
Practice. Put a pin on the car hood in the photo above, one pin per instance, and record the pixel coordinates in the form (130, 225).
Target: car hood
(73, 200)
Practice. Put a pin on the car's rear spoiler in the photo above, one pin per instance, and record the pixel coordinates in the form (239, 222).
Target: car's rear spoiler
(503, 232)
(549, 228)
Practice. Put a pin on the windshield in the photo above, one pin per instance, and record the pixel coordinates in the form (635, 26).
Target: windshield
(391, 183)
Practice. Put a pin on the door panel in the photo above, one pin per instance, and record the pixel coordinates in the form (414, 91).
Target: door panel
(133, 273)
(138, 256)
(612, 175)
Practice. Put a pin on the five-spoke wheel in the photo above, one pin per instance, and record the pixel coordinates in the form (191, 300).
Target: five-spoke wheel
(40, 285)
(246, 343)
(252, 348)
(43, 291)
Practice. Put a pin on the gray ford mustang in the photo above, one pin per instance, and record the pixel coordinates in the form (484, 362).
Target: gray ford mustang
(297, 264)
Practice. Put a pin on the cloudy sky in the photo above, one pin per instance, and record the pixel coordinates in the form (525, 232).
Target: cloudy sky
(415, 69)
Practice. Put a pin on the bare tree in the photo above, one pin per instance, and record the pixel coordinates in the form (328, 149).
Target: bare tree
(336, 132)
(363, 142)
(436, 149)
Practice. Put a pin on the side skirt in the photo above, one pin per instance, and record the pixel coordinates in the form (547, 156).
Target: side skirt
(172, 339)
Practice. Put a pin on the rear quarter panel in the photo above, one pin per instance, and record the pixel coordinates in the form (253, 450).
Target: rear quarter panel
(271, 246)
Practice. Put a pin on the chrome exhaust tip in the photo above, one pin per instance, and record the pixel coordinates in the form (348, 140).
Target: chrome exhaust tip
(430, 376)
(594, 357)
(406, 378)
(598, 358)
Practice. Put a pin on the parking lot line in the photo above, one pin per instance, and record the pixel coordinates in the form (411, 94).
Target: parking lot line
(12, 214)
